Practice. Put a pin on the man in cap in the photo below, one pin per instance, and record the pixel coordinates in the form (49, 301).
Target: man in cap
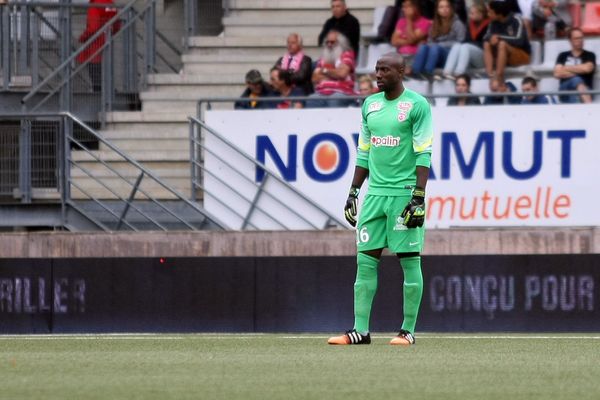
(255, 87)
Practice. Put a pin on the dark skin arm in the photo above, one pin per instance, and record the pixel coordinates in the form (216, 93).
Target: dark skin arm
(360, 174)
(422, 176)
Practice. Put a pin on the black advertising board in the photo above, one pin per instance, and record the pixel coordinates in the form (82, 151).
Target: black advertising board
(518, 293)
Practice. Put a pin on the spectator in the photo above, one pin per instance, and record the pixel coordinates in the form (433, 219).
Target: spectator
(411, 31)
(463, 86)
(470, 53)
(526, 12)
(427, 8)
(529, 85)
(255, 87)
(334, 74)
(446, 30)
(551, 16)
(498, 85)
(575, 69)
(298, 63)
(387, 26)
(505, 43)
(97, 17)
(343, 22)
(366, 86)
(281, 80)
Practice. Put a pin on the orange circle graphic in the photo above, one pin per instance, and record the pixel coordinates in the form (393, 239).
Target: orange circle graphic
(326, 157)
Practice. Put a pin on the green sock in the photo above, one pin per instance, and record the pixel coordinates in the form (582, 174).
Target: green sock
(364, 290)
(413, 290)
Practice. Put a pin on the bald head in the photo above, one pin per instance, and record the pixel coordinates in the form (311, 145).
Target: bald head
(389, 72)
(393, 60)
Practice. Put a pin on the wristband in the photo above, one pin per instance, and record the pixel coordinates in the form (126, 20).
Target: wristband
(418, 192)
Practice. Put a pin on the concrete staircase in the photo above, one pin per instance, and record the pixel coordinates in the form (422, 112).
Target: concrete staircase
(254, 36)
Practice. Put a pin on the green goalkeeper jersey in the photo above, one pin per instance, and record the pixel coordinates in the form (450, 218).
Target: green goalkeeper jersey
(395, 137)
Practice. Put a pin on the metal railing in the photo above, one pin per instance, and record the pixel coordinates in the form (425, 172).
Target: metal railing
(206, 103)
(109, 188)
(104, 73)
(251, 205)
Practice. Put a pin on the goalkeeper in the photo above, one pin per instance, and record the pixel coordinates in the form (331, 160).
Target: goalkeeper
(394, 151)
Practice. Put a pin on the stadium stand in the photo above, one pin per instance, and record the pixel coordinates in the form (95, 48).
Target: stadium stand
(378, 13)
(374, 51)
(253, 36)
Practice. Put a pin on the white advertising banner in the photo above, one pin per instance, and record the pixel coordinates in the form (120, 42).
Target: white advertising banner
(491, 166)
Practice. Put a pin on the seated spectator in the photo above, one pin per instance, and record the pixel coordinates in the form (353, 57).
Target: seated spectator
(446, 30)
(575, 69)
(506, 42)
(366, 86)
(342, 21)
(255, 87)
(529, 85)
(498, 85)
(281, 80)
(551, 16)
(470, 53)
(298, 63)
(463, 86)
(411, 31)
(526, 12)
(333, 76)
(387, 26)
(427, 8)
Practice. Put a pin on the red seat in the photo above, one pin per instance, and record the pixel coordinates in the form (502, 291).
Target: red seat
(591, 18)
(575, 11)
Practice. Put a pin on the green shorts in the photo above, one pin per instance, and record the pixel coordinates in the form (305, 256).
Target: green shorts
(380, 226)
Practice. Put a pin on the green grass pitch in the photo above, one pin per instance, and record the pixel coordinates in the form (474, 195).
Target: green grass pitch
(213, 366)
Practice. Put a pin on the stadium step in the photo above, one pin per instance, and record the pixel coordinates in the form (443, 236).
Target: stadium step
(254, 37)
(292, 18)
(186, 101)
(237, 68)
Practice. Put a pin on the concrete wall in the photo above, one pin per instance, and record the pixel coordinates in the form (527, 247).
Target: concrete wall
(265, 244)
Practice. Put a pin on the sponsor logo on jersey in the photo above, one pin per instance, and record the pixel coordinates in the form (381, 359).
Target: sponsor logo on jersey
(404, 105)
(403, 109)
(375, 106)
(386, 141)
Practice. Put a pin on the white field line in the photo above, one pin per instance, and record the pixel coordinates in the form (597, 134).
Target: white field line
(233, 336)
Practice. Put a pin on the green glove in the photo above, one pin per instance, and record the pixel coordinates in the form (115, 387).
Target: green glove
(351, 207)
(414, 212)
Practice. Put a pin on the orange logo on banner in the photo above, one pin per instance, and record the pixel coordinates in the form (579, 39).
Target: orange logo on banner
(326, 157)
